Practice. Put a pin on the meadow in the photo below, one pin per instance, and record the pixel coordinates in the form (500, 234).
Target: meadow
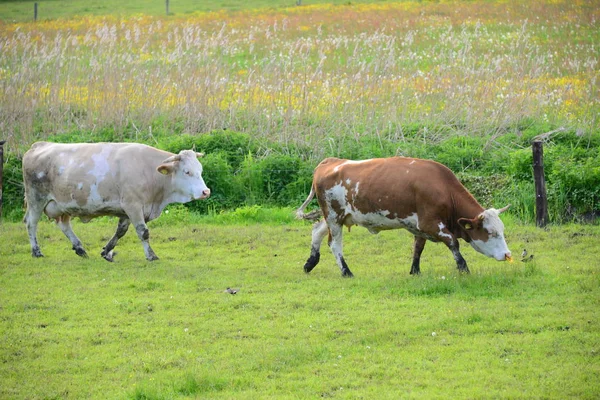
(266, 90)
(86, 328)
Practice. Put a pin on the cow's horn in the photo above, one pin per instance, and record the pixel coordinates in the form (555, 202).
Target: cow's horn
(199, 155)
(174, 158)
(500, 211)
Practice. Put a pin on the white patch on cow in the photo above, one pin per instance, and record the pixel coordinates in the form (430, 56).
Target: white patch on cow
(337, 193)
(101, 164)
(80, 185)
(412, 221)
(441, 233)
(380, 220)
(40, 174)
(348, 181)
(94, 197)
(356, 188)
(349, 162)
(495, 246)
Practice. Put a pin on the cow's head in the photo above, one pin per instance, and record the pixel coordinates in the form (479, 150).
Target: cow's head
(486, 232)
(186, 175)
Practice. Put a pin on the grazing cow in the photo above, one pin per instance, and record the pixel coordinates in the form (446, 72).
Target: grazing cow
(421, 196)
(128, 180)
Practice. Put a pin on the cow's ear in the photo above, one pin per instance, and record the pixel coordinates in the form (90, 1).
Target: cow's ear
(466, 223)
(199, 155)
(165, 169)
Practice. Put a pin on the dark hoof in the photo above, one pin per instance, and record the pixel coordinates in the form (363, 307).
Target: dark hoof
(36, 253)
(108, 256)
(80, 252)
(464, 270)
(347, 274)
(308, 267)
(412, 272)
(312, 262)
(153, 257)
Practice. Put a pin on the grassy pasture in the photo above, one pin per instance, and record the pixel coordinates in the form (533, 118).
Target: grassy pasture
(85, 328)
(11, 10)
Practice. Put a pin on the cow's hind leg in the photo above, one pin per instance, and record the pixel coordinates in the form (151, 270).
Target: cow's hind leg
(319, 232)
(107, 251)
(419, 245)
(64, 223)
(335, 243)
(31, 219)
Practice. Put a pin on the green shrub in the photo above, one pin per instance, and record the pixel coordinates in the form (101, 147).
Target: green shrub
(218, 176)
(233, 145)
(13, 191)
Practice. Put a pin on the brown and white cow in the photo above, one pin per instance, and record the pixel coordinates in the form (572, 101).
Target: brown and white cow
(129, 180)
(421, 196)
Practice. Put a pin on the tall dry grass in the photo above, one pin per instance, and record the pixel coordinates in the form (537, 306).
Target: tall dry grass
(307, 75)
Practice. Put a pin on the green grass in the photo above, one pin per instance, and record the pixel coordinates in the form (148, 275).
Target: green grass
(85, 328)
(11, 11)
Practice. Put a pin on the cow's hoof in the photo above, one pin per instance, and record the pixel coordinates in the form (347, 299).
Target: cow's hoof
(80, 252)
(308, 267)
(415, 272)
(347, 274)
(312, 262)
(36, 253)
(464, 270)
(108, 256)
(153, 257)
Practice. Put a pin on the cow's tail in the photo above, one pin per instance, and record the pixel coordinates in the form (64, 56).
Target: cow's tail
(311, 216)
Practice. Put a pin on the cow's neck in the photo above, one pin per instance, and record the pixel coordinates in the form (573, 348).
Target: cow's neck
(464, 206)
(163, 198)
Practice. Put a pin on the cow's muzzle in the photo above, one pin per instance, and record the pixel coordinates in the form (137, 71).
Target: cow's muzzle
(205, 194)
(507, 257)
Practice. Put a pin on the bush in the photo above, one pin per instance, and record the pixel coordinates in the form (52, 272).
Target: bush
(239, 176)
(13, 192)
(233, 146)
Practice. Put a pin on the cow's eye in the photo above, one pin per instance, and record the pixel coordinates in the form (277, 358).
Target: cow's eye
(187, 172)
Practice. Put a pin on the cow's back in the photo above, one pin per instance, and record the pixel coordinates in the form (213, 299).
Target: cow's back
(400, 185)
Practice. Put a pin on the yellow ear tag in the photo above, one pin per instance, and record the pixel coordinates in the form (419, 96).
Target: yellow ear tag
(468, 226)
(164, 171)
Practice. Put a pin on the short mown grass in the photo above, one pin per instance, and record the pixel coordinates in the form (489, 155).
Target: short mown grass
(85, 328)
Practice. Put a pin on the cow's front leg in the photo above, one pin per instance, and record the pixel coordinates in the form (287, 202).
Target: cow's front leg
(64, 223)
(144, 235)
(449, 240)
(137, 220)
(319, 232)
(419, 245)
(107, 251)
(335, 243)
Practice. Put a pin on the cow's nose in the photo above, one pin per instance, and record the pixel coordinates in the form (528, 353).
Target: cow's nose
(206, 193)
(508, 257)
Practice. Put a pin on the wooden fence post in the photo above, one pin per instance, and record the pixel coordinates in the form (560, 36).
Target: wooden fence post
(1, 172)
(167, 1)
(541, 200)
(35, 9)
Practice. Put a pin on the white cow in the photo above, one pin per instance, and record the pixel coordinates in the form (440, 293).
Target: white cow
(131, 181)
